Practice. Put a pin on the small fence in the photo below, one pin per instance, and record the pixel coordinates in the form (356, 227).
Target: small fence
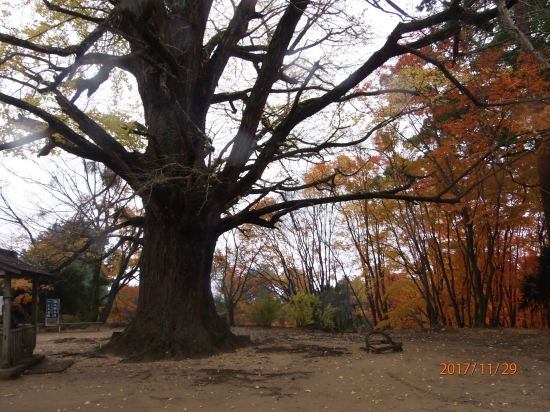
(22, 342)
(70, 325)
(78, 325)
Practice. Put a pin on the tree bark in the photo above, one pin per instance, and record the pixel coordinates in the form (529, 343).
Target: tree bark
(176, 315)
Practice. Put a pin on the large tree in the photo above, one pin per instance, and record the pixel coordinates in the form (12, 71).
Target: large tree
(272, 62)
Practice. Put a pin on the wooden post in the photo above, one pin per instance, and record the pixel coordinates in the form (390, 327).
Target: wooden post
(34, 313)
(6, 326)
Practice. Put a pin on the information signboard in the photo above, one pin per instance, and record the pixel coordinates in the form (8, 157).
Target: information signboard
(52, 311)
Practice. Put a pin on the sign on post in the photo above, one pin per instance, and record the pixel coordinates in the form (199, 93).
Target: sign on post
(52, 311)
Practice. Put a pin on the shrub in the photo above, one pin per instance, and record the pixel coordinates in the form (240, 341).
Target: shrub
(304, 309)
(265, 311)
(283, 316)
(301, 308)
(70, 318)
(339, 311)
(326, 316)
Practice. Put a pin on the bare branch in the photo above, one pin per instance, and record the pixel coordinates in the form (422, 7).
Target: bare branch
(81, 147)
(68, 12)
(77, 50)
(232, 35)
(27, 139)
(17, 219)
(260, 92)
(118, 154)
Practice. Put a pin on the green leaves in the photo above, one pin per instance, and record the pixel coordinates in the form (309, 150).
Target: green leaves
(265, 311)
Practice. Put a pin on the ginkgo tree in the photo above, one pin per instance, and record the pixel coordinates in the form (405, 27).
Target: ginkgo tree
(266, 83)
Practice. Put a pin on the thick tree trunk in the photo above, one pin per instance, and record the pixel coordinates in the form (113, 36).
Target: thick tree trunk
(176, 315)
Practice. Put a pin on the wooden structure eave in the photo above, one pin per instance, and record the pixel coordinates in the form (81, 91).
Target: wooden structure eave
(10, 263)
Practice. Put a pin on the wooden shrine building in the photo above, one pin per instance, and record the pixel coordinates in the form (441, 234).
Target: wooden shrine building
(17, 344)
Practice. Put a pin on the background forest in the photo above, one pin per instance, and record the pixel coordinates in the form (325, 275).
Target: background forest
(481, 261)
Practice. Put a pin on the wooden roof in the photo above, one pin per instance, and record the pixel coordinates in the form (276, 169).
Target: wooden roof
(9, 262)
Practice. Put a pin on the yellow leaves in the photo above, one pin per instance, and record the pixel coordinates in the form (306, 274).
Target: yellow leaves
(53, 28)
(21, 285)
(23, 290)
(392, 254)
(302, 307)
(404, 301)
(23, 298)
(119, 125)
(33, 99)
(54, 250)
(358, 286)
(400, 316)
(401, 288)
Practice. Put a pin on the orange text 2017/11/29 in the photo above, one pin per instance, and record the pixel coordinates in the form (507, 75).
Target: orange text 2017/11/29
(471, 368)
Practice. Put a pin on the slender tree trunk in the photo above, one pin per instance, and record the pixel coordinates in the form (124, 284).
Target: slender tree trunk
(176, 315)
(230, 314)
(481, 299)
(118, 283)
(543, 163)
(96, 274)
(111, 296)
(371, 300)
(432, 313)
(450, 288)
(512, 305)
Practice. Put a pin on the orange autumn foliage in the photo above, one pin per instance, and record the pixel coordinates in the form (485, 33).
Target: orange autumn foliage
(124, 306)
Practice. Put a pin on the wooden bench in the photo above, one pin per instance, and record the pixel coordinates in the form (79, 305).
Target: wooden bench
(378, 342)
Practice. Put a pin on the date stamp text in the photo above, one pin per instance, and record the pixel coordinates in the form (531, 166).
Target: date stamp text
(471, 368)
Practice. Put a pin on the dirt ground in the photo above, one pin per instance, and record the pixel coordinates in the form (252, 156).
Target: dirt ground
(299, 370)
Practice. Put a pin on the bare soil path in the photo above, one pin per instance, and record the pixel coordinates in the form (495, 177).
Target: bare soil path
(299, 370)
